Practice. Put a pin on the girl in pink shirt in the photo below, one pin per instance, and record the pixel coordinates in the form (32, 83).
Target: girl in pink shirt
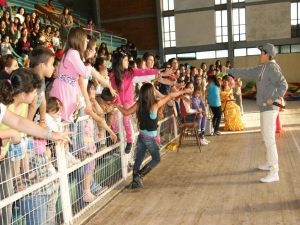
(122, 79)
(66, 87)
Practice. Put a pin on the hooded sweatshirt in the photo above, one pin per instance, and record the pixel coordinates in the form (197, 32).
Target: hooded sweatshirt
(270, 83)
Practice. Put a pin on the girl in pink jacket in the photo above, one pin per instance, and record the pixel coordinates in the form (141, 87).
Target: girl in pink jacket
(122, 79)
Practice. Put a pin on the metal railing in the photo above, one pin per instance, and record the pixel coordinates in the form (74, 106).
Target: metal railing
(59, 198)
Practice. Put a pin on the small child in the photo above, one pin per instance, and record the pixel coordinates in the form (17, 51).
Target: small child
(106, 101)
(53, 111)
(199, 105)
(89, 143)
(5, 45)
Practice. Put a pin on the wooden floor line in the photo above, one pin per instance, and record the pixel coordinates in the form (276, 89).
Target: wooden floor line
(294, 139)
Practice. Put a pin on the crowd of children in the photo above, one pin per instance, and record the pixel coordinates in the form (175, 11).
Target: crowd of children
(75, 84)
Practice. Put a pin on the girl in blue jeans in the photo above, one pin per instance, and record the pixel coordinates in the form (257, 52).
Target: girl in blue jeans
(146, 111)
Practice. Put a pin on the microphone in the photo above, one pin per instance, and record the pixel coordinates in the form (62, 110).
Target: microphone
(279, 105)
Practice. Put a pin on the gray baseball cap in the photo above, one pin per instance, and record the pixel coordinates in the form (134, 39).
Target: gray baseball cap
(269, 48)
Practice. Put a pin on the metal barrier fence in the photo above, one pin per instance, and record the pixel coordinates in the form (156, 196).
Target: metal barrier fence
(42, 196)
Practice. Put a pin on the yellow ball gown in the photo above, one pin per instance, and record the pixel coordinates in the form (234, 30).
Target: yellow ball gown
(232, 113)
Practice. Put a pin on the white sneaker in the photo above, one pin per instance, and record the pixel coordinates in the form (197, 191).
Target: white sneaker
(203, 142)
(206, 140)
(264, 166)
(70, 158)
(271, 177)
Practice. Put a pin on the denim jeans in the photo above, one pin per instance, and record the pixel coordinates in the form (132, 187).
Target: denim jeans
(34, 208)
(143, 144)
(6, 190)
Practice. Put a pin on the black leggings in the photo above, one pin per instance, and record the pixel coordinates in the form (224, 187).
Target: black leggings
(217, 111)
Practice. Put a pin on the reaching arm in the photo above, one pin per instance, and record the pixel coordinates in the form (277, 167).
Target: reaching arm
(250, 73)
(103, 81)
(29, 127)
(172, 95)
(127, 112)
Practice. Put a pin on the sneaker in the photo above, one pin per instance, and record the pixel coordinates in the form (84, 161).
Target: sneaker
(128, 148)
(271, 177)
(137, 179)
(88, 197)
(203, 142)
(70, 158)
(264, 166)
(206, 140)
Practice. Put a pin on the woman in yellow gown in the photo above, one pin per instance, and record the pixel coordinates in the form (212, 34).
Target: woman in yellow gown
(232, 112)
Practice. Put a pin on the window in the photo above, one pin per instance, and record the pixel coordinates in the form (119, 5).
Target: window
(236, 1)
(221, 26)
(169, 32)
(295, 48)
(240, 52)
(186, 55)
(170, 56)
(239, 24)
(222, 53)
(219, 2)
(295, 19)
(206, 55)
(168, 5)
(253, 51)
(285, 49)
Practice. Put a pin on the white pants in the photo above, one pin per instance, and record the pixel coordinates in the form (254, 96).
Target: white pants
(268, 128)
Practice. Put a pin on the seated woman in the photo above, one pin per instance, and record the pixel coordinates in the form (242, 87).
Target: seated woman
(232, 113)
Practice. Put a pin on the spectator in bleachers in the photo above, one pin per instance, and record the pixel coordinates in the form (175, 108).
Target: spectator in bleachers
(55, 40)
(20, 14)
(48, 35)
(90, 26)
(27, 23)
(15, 37)
(103, 53)
(8, 23)
(66, 21)
(108, 61)
(50, 5)
(5, 45)
(2, 28)
(25, 44)
(34, 33)
(32, 20)
(8, 64)
(132, 49)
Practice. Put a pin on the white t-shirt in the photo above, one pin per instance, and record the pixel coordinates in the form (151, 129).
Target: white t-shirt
(2, 111)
